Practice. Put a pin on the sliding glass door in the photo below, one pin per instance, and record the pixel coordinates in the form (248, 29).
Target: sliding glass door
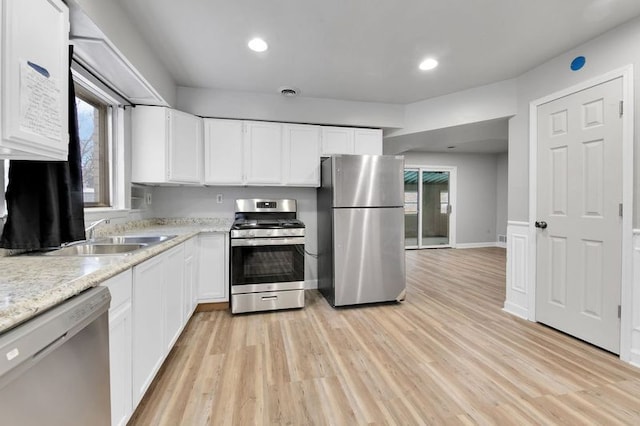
(411, 220)
(428, 207)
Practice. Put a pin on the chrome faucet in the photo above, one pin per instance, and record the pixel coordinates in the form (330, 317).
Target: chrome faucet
(90, 230)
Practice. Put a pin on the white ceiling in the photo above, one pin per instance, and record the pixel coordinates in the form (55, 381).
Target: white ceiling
(366, 50)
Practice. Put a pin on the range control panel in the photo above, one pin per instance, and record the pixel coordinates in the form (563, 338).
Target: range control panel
(267, 205)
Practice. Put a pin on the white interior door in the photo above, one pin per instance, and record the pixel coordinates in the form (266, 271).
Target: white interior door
(579, 227)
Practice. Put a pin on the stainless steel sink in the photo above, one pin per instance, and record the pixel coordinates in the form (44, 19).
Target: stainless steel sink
(130, 239)
(96, 249)
(118, 245)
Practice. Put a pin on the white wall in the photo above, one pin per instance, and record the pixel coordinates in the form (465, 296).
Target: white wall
(497, 100)
(201, 202)
(502, 190)
(476, 192)
(608, 52)
(260, 106)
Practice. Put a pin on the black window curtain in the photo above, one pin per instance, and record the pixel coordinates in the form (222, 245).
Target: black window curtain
(45, 204)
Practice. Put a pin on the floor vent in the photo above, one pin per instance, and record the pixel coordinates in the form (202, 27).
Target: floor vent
(502, 238)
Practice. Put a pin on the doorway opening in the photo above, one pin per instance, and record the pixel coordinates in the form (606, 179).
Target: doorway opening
(429, 197)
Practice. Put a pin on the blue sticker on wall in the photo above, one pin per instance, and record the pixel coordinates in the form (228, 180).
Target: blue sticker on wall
(578, 63)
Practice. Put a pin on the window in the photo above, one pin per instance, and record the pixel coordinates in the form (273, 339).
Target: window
(93, 118)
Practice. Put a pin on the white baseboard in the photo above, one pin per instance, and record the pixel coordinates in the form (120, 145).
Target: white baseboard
(310, 284)
(476, 245)
(516, 310)
(501, 245)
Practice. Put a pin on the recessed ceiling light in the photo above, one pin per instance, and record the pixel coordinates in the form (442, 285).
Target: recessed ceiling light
(428, 64)
(258, 45)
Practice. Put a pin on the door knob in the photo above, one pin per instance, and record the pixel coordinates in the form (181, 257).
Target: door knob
(541, 224)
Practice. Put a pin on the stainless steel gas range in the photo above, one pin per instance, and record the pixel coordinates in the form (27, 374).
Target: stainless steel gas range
(267, 256)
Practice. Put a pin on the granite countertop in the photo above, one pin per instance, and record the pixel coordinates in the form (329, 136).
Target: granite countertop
(31, 284)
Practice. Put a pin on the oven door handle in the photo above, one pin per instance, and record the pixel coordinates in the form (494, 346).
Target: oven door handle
(248, 242)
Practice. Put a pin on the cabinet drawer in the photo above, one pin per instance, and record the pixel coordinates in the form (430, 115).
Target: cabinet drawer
(189, 246)
(120, 289)
(267, 301)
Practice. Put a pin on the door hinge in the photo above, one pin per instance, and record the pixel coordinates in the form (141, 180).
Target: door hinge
(621, 108)
(449, 209)
(620, 209)
(619, 311)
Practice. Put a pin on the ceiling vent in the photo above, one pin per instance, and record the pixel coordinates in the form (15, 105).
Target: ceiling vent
(289, 92)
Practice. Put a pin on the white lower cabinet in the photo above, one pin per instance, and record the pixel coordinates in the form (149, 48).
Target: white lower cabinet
(213, 267)
(148, 342)
(190, 283)
(173, 295)
(150, 306)
(120, 347)
(158, 286)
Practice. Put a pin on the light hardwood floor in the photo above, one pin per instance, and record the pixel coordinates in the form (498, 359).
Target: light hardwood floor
(447, 355)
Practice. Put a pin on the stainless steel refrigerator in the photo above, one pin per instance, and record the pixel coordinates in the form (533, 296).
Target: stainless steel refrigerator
(361, 229)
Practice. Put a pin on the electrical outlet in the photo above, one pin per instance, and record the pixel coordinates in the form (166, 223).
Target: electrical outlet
(219, 199)
(147, 198)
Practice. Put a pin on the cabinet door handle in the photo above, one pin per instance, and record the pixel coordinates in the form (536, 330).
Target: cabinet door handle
(269, 297)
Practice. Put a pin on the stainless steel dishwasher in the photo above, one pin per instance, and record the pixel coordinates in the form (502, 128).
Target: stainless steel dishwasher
(54, 368)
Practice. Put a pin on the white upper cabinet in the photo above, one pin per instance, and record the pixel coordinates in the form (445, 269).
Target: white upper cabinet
(185, 147)
(301, 147)
(223, 155)
(260, 153)
(337, 140)
(263, 153)
(166, 146)
(347, 140)
(34, 71)
(367, 141)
